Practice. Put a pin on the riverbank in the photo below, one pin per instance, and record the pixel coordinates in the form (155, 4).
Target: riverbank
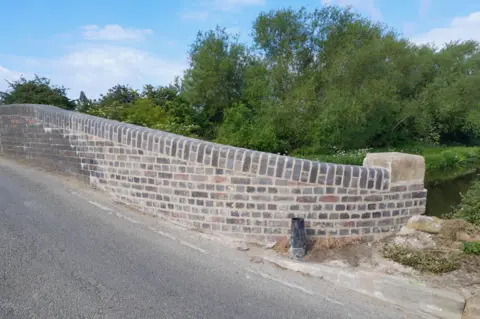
(441, 163)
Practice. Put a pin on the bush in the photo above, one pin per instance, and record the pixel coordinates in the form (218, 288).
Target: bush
(469, 207)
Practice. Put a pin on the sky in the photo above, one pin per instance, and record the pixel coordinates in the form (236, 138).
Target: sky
(93, 45)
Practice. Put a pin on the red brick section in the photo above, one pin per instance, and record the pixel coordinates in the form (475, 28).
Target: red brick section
(243, 193)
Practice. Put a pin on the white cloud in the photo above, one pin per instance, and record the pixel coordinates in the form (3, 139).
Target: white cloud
(95, 66)
(409, 28)
(95, 69)
(7, 75)
(195, 15)
(424, 7)
(368, 6)
(460, 28)
(113, 32)
(228, 4)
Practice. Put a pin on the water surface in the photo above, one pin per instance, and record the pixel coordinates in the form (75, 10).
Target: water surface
(444, 195)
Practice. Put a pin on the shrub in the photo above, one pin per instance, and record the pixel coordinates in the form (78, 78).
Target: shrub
(469, 207)
(471, 247)
(425, 261)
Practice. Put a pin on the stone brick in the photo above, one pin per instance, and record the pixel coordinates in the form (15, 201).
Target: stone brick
(373, 198)
(329, 199)
(240, 180)
(196, 181)
(351, 199)
(422, 194)
(306, 199)
(398, 188)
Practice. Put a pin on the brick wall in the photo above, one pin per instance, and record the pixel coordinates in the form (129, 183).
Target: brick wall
(214, 187)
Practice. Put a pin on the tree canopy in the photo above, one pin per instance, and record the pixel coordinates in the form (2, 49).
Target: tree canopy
(311, 81)
(36, 91)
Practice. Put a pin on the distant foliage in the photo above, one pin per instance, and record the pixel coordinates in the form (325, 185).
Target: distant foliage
(36, 91)
(159, 108)
(320, 83)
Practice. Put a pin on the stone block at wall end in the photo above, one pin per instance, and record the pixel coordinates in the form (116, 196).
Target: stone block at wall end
(404, 168)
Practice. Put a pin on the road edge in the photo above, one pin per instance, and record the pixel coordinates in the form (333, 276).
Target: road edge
(403, 292)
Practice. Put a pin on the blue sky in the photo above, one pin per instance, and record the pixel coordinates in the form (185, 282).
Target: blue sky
(92, 45)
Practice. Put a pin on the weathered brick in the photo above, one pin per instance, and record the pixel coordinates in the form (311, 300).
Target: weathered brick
(306, 199)
(422, 194)
(240, 180)
(330, 190)
(329, 198)
(373, 198)
(398, 188)
(416, 187)
(366, 223)
(351, 198)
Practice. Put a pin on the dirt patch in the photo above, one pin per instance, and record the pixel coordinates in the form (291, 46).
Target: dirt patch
(435, 258)
(282, 246)
(352, 251)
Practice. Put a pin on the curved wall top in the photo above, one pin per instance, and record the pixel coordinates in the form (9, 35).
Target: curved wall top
(219, 187)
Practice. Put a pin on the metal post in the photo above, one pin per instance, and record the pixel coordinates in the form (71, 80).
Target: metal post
(298, 240)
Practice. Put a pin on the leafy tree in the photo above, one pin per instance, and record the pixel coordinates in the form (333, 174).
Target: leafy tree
(112, 104)
(214, 79)
(119, 95)
(170, 99)
(447, 110)
(313, 81)
(83, 103)
(144, 113)
(36, 91)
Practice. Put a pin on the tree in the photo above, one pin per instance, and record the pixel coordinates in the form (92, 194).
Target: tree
(83, 103)
(313, 81)
(36, 91)
(215, 77)
(447, 110)
(120, 95)
(112, 104)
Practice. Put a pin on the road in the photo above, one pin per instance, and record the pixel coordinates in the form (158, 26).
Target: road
(67, 251)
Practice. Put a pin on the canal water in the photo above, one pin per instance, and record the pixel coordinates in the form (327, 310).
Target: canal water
(443, 196)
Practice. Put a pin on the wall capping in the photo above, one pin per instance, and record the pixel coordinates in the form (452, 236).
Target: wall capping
(250, 161)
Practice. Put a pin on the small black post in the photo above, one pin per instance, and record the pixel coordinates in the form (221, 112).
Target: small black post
(298, 240)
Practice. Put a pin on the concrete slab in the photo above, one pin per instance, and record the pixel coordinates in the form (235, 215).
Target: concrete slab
(404, 292)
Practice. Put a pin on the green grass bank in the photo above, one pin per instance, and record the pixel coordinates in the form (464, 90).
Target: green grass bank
(442, 163)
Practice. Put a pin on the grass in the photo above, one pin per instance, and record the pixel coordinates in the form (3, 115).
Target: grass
(471, 247)
(424, 261)
(440, 162)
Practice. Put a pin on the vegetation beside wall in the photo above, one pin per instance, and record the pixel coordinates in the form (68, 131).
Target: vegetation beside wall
(326, 84)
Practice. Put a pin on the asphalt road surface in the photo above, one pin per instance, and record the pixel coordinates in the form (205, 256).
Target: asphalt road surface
(67, 251)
